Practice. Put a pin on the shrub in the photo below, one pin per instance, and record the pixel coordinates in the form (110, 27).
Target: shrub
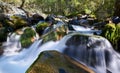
(117, 35)
(109, 31)
(112, 33)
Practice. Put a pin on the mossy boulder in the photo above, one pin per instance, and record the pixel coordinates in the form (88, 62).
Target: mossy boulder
(16, 22)
(3, 34)
(55, 62)
(56, 34)
(49, 36)
(41, 27)
(27, 38)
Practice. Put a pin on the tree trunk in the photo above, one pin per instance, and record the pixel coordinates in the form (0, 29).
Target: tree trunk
(117, 8)
(22, 5)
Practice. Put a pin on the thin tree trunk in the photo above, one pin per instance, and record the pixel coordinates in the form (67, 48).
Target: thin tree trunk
(117, 8)
(22, 5)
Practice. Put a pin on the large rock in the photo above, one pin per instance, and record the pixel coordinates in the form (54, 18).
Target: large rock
(55, 62)
(15, 22)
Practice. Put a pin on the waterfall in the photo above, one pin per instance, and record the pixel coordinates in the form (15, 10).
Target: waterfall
(12, 46)
(19, 63)
(16, 59)
(93, 51)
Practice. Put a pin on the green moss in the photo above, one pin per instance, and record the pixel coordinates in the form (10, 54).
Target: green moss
(41, 27)
(26, 37)
(117, 37)
(29, 32)
(16, 22)
(118, 30)
(55, 34)
(50, 36)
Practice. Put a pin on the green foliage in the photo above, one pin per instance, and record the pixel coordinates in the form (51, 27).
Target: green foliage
(112, 33)
(118, 30)
(117, 35)
(109, 32)
(26, 37)
(41, 27)
(102, 8)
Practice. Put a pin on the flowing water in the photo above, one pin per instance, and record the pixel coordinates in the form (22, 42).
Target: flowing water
(92, 51)
(12, 46)
(15, 59)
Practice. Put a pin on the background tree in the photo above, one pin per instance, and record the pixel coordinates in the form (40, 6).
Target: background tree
(22, 4)
(117, 8)
(101, 8)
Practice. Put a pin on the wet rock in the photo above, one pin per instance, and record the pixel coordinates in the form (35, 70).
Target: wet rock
(15, 22)
(3, 35)
(62, 71)
(50, 20)
(41, 27)
(36, 18)
(55, 62)
(1, 52)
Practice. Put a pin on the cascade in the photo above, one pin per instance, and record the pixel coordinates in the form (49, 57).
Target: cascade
(20, 62)
(93, 51)
(12, 46)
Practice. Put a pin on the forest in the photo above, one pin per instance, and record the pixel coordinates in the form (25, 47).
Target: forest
(59, 36)
(68, 7)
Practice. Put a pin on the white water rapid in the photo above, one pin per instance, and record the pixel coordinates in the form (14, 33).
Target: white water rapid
(92, 51)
